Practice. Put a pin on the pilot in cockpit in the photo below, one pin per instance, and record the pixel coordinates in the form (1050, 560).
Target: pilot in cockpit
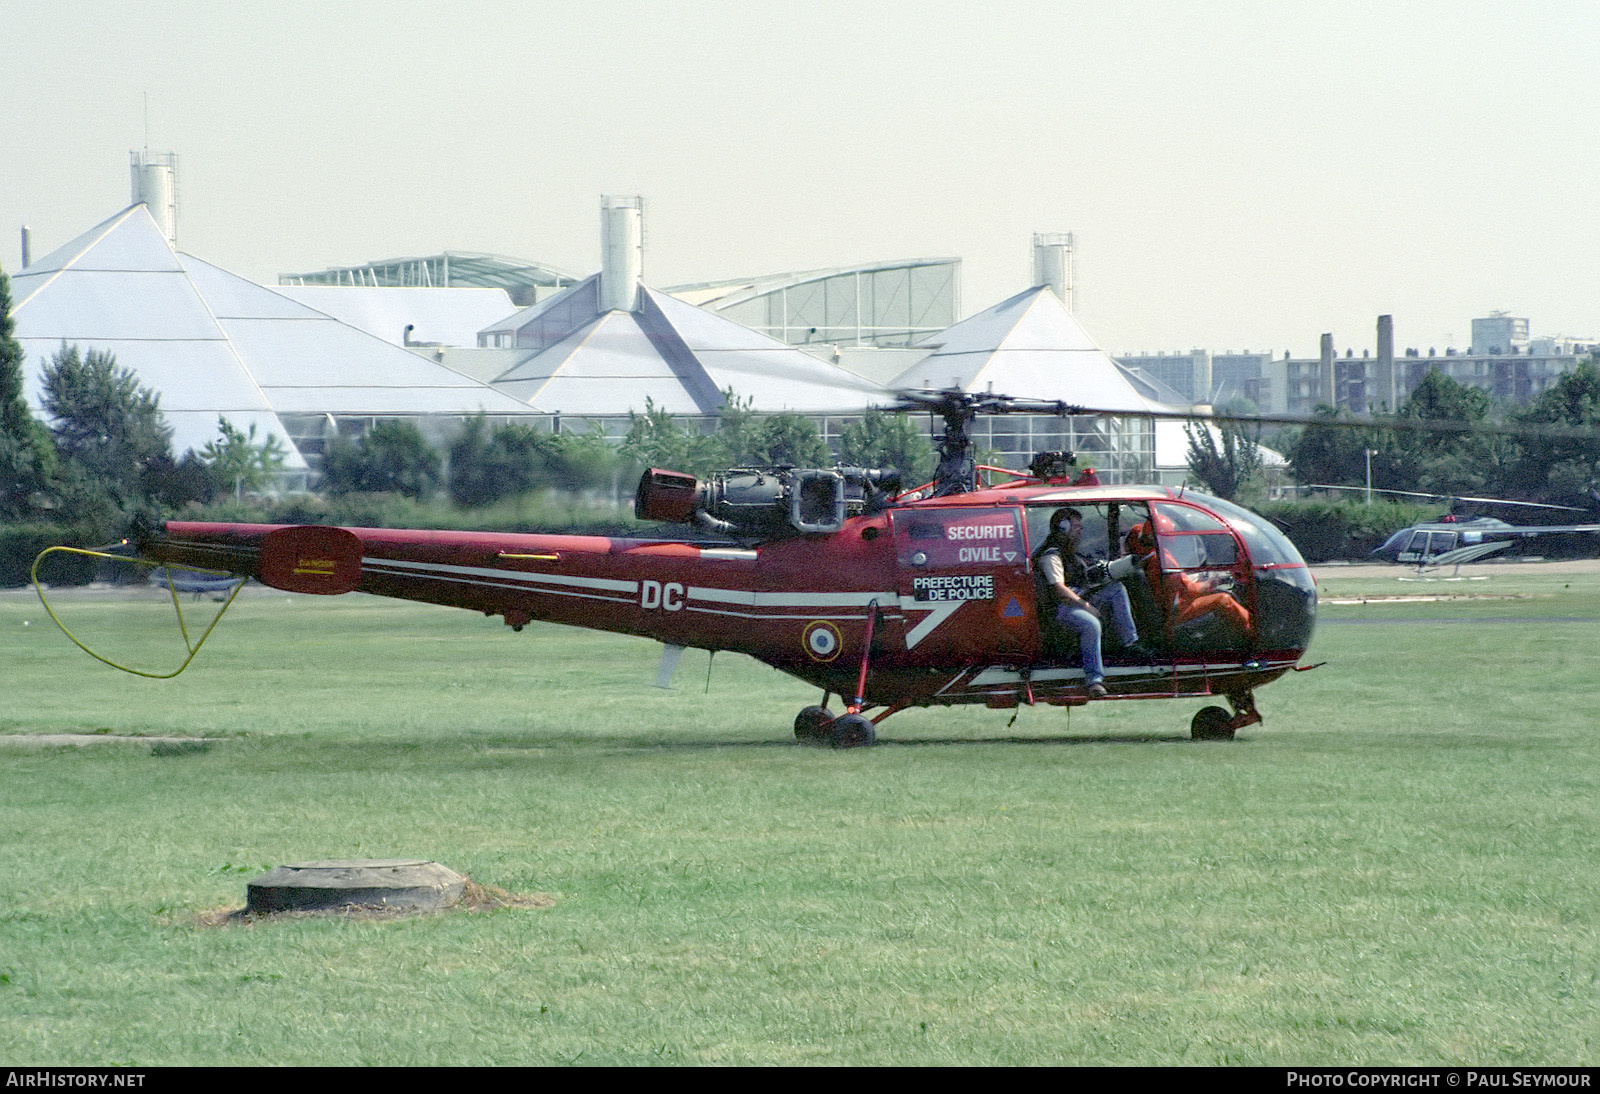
(1185, 597)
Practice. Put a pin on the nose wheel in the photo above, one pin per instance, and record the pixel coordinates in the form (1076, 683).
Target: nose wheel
(1211, 724)
(1216, 724)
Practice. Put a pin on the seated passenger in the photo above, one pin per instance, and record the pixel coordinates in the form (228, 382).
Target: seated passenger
(1064, 578)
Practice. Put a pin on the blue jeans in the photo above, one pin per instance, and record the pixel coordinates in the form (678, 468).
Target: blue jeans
(1113, 599)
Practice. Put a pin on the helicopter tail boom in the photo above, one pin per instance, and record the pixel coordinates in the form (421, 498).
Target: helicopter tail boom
(620, 585)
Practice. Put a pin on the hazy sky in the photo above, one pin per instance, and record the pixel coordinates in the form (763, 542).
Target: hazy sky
(1239, 174)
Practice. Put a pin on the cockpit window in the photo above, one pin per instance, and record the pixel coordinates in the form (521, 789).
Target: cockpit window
(1190, 552)
(1185, 518)
(1267, 545)
(1104, 526)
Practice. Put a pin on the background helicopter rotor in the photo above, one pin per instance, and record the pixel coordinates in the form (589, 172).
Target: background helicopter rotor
(1451, 498)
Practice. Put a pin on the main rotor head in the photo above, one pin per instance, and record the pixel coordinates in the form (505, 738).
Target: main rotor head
(957, 472)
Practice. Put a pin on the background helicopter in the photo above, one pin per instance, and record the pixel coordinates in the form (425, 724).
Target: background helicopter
(1454, 539)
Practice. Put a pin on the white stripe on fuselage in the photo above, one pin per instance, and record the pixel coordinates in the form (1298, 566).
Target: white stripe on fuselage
(438, 569)
(938, 611)
(786, 598)
(767, 604)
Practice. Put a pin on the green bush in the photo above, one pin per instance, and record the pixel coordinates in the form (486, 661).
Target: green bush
(391, 456)
(1325, 530)
(20, 544)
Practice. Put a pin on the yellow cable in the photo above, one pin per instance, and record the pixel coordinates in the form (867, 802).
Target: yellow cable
(193, 647)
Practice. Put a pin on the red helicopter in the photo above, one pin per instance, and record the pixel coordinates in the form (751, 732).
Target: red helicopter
(887, 600)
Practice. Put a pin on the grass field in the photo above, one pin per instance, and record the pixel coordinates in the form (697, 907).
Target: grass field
(1398, 867)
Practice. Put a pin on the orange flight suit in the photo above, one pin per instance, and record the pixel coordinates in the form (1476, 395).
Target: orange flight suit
(1186, 598)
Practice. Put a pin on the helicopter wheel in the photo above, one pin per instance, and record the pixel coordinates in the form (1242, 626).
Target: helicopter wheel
(812, 726)
(854, 731)
(1211, 724)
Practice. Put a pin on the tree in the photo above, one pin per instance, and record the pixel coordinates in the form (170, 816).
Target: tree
(1331, 450)
(1439, 461)
(1551, 466)
(738, 427)
(472, 480)
(749, 439)
(27, 458)
(238, 461)
(173, 484)
(655, 440)
(743, 439)
(1224, 459)
(392, 457)
(881, 439)
(343, 468)
(515, 460)
(104, 421)
(583, 461)
(480, 472)
(788, 440)
(1439, 398)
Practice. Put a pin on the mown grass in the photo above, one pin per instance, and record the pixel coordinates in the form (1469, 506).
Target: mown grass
(1398, 867)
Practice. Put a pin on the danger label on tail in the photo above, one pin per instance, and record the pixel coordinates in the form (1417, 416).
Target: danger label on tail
(310, 558)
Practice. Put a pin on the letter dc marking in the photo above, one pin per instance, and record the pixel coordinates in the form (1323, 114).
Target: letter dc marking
(654, 595)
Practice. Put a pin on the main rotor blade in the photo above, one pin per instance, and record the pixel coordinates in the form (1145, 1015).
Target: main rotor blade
(1548, 430)
(1445, 497)
(990, 403)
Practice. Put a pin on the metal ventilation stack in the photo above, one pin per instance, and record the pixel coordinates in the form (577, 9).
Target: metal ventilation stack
(621, 252)
(1052, 264)
(155, 183)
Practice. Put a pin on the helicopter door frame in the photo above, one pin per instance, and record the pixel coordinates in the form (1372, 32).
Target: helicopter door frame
(1194, 548)
(1106, 524)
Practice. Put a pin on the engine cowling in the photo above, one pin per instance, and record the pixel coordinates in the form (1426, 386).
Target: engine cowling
(765, 501)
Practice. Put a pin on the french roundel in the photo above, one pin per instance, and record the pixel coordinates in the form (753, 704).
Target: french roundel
(821, 640)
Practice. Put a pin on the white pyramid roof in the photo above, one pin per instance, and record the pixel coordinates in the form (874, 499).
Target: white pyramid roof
(212, 344)
(1028, 347)
(450, 317)
(678, 356)
(310, 363)
(119, 288)
(774, 375)
(1172, 446)
(605, 367)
